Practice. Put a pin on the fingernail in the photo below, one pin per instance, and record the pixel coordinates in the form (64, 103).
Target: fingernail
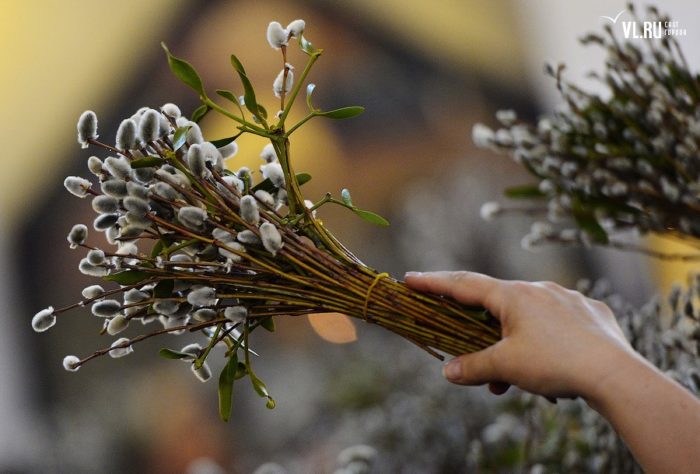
(412, 274)
(452, 370)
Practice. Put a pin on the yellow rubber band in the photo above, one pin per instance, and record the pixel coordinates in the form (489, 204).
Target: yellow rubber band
(369, 292)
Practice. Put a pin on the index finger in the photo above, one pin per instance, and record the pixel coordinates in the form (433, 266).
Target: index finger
(466, 287)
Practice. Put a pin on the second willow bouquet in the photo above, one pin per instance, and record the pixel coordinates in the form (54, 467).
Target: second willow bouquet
(201, 248)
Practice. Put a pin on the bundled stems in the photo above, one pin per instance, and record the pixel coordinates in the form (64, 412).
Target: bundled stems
(224, 255)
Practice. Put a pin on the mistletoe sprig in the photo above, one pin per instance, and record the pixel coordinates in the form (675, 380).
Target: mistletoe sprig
(202, 249)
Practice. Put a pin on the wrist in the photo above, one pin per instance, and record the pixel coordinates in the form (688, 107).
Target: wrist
(618, 371)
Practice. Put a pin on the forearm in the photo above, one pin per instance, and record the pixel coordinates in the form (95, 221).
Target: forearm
(658, 419)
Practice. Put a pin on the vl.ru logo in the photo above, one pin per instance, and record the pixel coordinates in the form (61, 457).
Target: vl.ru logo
(647, 29)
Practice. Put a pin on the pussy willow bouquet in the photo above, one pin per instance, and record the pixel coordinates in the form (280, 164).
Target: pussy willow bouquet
(197, 247)
(605, 164)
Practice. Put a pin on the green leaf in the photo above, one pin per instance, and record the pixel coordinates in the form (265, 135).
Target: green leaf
(128, 277)
(185, 72)
(262, 111)
(261, 389)
(266, 185)
(527, 191)
(588, 223)
(309, 91)
(268, 323)
(200, 112)
(226, 379)
(347, 199)
(147, 162)
(241, 371)
(180, 137)
(158, 248)
(164, 289)
(223, 141)
(343, 112)
(228, 95)
(251, 102)
(171, 354)
(306, 45)
(303, 178)
(371, 217)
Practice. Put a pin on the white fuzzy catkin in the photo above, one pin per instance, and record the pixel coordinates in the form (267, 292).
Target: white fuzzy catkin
(149, 126)
(93, 291)
(112, 234)
(277, 85)
(229, 151)
(120, 348)
(87, 268)
(281, 198)
(296, 28)
(136, 205)
(249, 210)
(234, 182)
(265, 197)
(105, 221)
(144, 175)
(211, 153)
(482, 136)
(87, 127)
(358, 453)
(96, 256)
(489, 210)
(273, 172)
(204, 315)
(136, 190)
(271, 238)
(276, 35)
(171, 110)
(106, 308)
(126, 135)
(236, 314)
(71, 363)
(192, 217)
(204, 296)
(203, 373)
(194, 134)
(196, 161)
(506, 117)
(94, 164)
(172, 322)
(105, 204)
(165, 191)
(233, 256)
(163, 126)
(117, 325)
(268, 153)
(194, 349)
(135, 296)
(174, 176)
(43, 320)
(166, 306)
(118, 167)
(77, 235)
(127, 248)
(222, 235)
(114, 187)
(77, 186)
(248, 237)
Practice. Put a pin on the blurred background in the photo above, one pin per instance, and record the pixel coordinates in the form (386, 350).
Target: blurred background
(426, 73)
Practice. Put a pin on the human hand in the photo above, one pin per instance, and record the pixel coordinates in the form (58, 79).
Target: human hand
(556, 342)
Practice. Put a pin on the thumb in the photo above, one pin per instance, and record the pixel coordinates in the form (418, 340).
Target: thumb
(477, 368)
